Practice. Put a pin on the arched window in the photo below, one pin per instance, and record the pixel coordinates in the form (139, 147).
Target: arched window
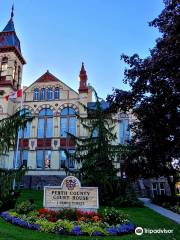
(56, 93)
(45, 123)
(50, 94)
(43, 93)
(25, 133)
(4, 64)
(36, 94)
(68, 122)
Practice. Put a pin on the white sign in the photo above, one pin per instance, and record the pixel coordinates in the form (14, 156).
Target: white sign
(71, 195)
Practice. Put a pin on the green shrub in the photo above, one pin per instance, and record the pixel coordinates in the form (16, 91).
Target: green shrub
(113, 216)
(45, 225)
(127, 201)
(172, 200)
(90, 228)
(9, 201)
(65, 224)
(175, 209)
(24, 207)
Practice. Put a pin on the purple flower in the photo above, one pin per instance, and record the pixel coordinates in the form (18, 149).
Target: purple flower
(96, 233)
(76, 230)
(34, 226)
(18, 221)
(125, 228)
(112, 231)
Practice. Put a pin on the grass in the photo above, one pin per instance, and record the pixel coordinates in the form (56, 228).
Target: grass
(143, 217)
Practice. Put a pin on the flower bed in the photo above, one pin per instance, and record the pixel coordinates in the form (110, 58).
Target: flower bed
(73, 222)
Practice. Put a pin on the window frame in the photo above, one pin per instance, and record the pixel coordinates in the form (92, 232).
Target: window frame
(4, 64)
(125, 138)
(44, 164)
(23, 133)
(57, 93)
(43, 94)
(49, 93)
(36, 94)
(68, 116)
(20, 157)
(45, 117)
(67, 160)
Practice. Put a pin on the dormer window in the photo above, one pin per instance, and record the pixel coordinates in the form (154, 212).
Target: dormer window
(50, 94)
(56, 93)
(36, 94)
(43, 93)
(4, 64)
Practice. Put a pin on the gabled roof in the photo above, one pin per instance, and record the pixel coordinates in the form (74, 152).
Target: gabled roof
(47, 77)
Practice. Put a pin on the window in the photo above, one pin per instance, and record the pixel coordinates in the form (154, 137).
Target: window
(154, 189)
(25, 133)
(95, 133)
(68, 122)
(56, 93)
(1, 109)
(22, 158)
(43, 159)
(67, 161)
(19, 76)
(14, 70)
(124, 133)
(4, 64)
(36, 94)
(50, 94)
(161, 188)
(43, 94)
(45, 123)
(39, 159)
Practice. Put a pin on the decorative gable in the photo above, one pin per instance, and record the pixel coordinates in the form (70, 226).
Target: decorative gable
(47, 77)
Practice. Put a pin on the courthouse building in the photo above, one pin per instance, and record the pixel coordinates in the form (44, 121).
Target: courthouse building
(54, 106)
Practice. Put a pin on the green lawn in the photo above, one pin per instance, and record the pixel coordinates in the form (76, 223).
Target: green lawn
(142, 217)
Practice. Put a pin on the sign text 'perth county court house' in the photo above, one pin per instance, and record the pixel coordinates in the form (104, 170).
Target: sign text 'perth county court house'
(71, 195)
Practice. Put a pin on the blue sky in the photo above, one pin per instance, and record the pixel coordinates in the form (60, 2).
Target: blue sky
(59, 34)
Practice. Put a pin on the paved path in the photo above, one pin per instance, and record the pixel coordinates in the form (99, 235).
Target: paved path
(167, 213)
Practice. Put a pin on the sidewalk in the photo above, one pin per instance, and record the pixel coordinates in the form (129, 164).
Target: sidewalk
(167, 213)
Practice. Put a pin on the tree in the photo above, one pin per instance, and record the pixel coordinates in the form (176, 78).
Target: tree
(8, 136)
(154, 99)
(96, 153)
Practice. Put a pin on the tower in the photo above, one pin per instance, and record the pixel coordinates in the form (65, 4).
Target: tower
(83, 88)
(11, 59)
